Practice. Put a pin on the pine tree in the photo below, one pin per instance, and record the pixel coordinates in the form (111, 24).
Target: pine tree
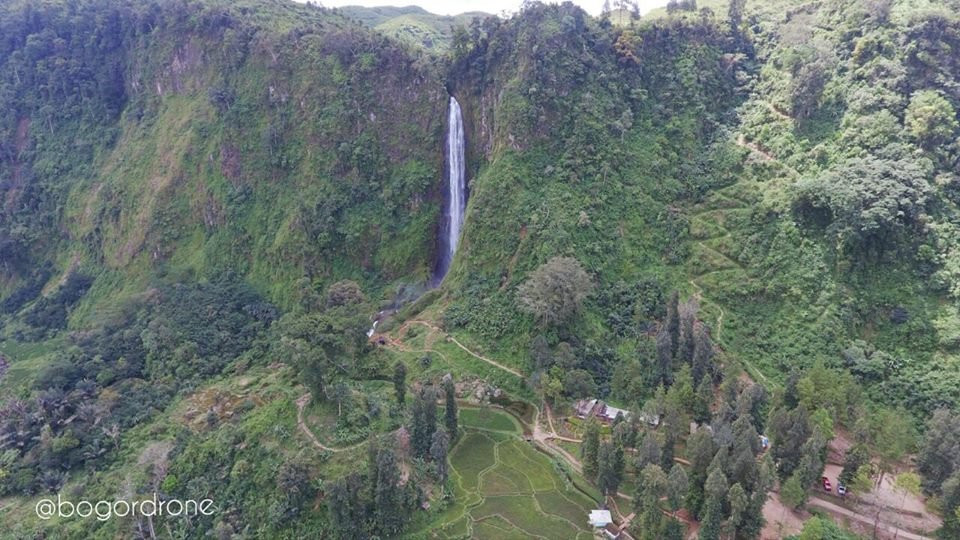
(700, 452)
(855, 458)
(590, 449)
(450, 405)
(388, 513)
(712, 519)
(677, 487)
(702, 364)
(792, 492)
(400, 381)
(674, 530)
(702, 401)
(610, 468)
(664, 358)
(439, 448)
(739, 501)
(423, 422)
(625, 434)
(653, 485)
(672, 321)
(373, 452)
(346, 509)
(649, 452)
(688, 316)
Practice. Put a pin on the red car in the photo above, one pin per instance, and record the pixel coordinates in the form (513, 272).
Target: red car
(826, 483)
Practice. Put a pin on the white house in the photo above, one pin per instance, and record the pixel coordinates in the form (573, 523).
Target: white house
(600, 518)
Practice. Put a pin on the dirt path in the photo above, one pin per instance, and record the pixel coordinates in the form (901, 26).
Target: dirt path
(882, 526)
(301, 404)
(462, 346)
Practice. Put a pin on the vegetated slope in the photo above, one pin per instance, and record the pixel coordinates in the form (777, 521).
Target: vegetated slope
(413, 24)
(833, 244)
(794, 171)
(276, 141)
(173, 176)
(597, 139)
(176, 177)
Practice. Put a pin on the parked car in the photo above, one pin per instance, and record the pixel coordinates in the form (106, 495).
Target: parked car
(841, 489)
(826, 483)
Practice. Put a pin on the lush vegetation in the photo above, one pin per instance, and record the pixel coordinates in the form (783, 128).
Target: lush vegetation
(742, 215)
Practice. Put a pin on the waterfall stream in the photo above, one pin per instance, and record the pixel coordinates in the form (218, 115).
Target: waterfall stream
(455, 200)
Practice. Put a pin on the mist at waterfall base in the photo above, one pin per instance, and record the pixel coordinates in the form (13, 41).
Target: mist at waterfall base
(455, 196)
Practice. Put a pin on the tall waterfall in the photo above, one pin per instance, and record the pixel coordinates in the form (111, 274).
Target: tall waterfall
(455, 201)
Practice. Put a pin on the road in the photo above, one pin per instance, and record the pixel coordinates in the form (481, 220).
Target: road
(886, 527)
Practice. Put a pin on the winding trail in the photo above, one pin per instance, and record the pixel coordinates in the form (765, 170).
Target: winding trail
(301, 404)
(456, 342)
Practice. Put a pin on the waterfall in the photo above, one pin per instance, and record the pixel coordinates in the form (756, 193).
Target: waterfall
(455, 201)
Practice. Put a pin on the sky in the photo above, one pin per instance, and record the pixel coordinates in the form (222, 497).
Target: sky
(453, 7)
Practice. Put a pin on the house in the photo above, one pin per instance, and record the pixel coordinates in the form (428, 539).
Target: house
(609, 414)
(584, 408)
(611, 531)
(600, 518)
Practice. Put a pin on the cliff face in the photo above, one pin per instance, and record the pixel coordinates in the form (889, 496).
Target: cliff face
(279, 143)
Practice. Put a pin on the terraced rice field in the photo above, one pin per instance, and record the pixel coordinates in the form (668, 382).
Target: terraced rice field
(505, 488)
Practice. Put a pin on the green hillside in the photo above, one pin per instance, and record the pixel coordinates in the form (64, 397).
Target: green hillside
(412, 24)
(741, 215)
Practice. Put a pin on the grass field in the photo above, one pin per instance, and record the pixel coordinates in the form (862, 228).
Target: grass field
(505, 488)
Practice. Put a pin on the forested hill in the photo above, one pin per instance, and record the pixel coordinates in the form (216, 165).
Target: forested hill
(203, 203)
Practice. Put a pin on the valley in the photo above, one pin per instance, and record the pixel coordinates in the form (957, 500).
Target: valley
(378, 273)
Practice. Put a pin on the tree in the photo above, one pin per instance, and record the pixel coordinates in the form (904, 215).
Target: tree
(702, 401)
(677, 487)
(555, 291)
(439, 448)
(939, 455)
(664, 358)
(702, 364)
(653, 484)
(700, 452)
(735, 15)
(344, 293)
(793, 493)
(450, 406)
(610, 468)
(579, 383)
(649, 452)
(590, 449)
(672, 321)
(342, 395)
(625, 434)
(423, 421)
(893, 436)
(862, 481)
(907, 483)
(951, 507)
(856, 457)
(346, 507)
(788, 431)
(739, 501)
(540, 353)
(930, 119)
(868, 197)
(806, 87)
(388, 514)
(688, 317)
(400, 381)
(715, 490)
